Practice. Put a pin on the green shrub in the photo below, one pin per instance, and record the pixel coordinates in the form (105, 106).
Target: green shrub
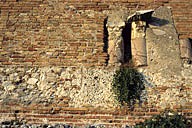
(128, 86)
(166, 119)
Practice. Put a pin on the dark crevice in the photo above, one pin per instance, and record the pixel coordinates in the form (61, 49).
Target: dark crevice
(126, 34)
(105, 35)
(190, 62)
(190, 39)
(105, 38)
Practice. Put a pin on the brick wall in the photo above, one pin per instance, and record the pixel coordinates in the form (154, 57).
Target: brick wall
(68, 33)
(84, 116)
(182, 16)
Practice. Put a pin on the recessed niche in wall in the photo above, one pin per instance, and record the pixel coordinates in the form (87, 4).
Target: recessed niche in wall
(126, 34)
(186, 50)
(105, 35)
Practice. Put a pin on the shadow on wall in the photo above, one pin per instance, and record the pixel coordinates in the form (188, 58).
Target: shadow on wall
(126, 34)
(105, 35)
(190, 59)
(158, 22)
(105, 38)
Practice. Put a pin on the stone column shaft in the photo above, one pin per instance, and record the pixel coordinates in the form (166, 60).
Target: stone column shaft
(115, 44)
(138, 43)
(185, 49)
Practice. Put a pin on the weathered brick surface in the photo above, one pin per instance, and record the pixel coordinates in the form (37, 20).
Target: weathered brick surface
(69, 32)
(85, 117)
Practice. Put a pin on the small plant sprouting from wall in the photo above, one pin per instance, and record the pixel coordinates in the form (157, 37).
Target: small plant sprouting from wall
(128, 86)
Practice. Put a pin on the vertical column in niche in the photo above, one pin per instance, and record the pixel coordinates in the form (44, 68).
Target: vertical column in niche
(185, 48)
(138, 43)
(115, 43)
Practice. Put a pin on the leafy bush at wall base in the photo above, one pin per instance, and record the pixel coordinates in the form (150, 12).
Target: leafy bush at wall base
(128, 86)
(166, 119)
